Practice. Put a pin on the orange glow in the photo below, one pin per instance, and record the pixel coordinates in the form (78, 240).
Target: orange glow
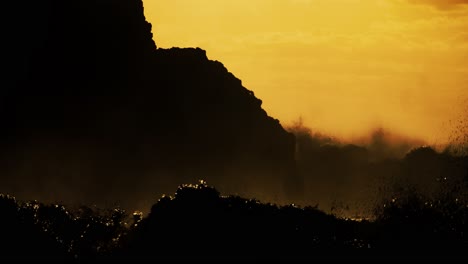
(345, 66)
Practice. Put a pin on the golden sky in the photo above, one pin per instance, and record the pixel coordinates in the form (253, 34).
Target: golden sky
(345, 66)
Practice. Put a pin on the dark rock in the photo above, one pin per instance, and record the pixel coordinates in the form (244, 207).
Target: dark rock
(93, 112)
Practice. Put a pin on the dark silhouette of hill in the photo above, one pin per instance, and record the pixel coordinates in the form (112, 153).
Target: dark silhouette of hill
(93, 112)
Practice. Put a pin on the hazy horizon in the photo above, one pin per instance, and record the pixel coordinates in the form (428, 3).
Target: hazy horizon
(346, 67)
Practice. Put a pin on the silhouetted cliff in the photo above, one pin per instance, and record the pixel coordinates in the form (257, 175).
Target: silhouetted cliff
(91, 109)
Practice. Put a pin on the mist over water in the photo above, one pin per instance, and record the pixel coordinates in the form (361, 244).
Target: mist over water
(350, 177)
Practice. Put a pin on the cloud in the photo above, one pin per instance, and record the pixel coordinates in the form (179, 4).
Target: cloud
(441, 4)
